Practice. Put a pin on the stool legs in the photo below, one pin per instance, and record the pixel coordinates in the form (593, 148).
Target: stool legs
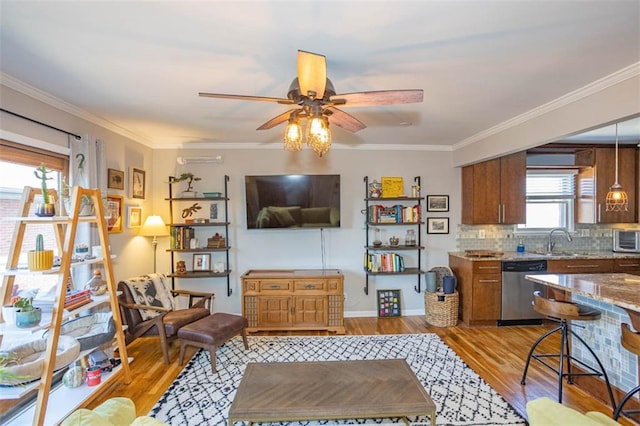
(564, 368)
(624, 400)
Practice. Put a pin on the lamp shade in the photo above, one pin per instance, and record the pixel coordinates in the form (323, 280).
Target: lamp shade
(154, 226)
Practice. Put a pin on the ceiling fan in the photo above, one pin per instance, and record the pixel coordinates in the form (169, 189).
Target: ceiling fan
(314, 97)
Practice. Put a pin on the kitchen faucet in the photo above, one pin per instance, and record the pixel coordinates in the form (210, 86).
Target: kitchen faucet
(550, 245)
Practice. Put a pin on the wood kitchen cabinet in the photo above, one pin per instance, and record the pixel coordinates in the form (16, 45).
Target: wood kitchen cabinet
(596, 176)
(480, 290)
(579, 266)
(293, 300)
(494, 191)
(629, 265)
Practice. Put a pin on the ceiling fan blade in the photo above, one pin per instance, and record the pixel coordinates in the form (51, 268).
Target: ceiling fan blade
(312, 73)
(381, 97)
(245, 98)
(277, 120)
(344, 120)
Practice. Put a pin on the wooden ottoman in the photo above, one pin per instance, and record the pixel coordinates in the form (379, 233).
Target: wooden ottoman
(210, 332)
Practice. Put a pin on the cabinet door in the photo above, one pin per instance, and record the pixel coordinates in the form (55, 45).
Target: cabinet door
(274, 311)
(513, 188)
(486, 299)
(605, 177)
(310, 311)
(579, 266)
(482, 205)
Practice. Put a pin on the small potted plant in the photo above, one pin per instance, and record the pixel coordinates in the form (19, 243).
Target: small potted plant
(189, 178)
(40, 259)
(26, 314)
(46, 208)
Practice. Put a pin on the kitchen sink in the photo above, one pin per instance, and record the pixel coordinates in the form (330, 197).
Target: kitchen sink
(558, 254)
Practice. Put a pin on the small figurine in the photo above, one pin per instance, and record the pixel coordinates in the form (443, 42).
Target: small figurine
(181, 267)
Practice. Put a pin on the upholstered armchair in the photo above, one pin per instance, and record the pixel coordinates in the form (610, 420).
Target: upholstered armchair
(149, 307)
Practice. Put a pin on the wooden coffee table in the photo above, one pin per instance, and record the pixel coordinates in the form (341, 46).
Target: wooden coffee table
(290, 391)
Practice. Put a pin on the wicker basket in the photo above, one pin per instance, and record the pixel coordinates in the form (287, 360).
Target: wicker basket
(441, 309)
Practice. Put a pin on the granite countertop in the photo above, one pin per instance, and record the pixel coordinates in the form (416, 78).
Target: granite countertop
(622, 290)
(529, 255)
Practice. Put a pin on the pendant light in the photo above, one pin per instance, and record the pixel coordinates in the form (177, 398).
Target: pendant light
(617, 200)
(293, 133)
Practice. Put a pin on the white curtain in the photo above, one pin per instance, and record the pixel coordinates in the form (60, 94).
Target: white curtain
(87, 168)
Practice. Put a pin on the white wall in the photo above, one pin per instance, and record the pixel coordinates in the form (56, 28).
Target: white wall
(285, 249)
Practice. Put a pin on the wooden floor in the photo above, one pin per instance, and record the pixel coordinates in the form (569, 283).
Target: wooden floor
(497, 354)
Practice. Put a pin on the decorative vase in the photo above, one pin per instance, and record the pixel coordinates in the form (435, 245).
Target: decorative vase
(189, 194)
(9, 314)
(45, 210)
(26, 319)
(74, 377)
(40, 260)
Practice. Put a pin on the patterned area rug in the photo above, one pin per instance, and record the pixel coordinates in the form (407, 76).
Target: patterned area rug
(198, 397)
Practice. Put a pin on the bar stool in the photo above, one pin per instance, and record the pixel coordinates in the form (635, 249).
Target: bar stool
(565, 312)
(630, 341)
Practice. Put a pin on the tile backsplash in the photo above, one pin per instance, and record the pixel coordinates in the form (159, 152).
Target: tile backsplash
(504, 238)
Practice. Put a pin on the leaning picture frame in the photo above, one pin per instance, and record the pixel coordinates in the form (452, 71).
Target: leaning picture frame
(136, 183)
(437, 225)
(201, 262)
(437, 203)
(389, 303)
(114, 213)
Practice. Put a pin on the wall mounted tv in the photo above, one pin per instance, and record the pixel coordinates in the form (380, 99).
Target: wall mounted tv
(292, 201)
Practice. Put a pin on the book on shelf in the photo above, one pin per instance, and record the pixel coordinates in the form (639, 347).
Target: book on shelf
(384, 262)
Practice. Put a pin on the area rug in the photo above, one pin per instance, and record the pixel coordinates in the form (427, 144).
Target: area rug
(198, 397)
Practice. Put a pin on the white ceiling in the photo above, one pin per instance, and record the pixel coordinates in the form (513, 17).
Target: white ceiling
(140, 65)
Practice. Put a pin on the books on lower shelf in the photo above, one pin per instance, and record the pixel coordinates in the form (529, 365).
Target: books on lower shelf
(76, 298)
(384, 262)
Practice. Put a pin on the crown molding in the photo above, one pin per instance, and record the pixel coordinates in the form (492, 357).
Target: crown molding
(33, 92)
(619, 76)
(278, 146)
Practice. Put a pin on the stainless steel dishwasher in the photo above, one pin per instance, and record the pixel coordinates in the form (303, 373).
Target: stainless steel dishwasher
(517, 292)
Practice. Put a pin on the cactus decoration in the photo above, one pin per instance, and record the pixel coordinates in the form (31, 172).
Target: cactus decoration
(41, 173)
(39, 242)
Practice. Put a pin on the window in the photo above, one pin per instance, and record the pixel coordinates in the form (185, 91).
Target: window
(17, 163)
(550, 200)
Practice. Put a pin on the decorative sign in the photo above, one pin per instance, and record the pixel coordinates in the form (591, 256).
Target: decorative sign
(389, 303)
(392, 187)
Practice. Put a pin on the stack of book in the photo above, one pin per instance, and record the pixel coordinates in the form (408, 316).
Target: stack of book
(383, 262)
(181, 237)
(76, 298)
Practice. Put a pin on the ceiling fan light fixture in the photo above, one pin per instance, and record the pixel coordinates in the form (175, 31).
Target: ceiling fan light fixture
(293, 134)
(617, 199)
(319, 135)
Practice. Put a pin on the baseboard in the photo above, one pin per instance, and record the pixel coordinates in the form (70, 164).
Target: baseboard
(365, 314)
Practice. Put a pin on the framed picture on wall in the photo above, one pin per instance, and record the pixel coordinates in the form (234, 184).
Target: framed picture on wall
(136, 183)
(389, 303)
(134, 217)
(115, 179)
(437, 203)
(437, 225)
(114, 213)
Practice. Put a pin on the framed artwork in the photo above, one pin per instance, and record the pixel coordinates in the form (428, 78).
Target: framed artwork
(114, 213)
(115, 179)
(389, 303)
(136, 183)
(437, 203)
(134, 217)
(437, 225)
(202, 262)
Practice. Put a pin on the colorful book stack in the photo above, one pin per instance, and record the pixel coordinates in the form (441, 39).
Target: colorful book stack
(76, 298)
(394, 214)
(384, 262)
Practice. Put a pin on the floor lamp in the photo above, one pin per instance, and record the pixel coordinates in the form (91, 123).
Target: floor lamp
(154, 227)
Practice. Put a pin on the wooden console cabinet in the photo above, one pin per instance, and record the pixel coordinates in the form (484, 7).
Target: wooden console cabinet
(296, 299)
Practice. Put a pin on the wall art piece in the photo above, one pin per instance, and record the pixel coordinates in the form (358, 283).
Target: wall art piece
(437, 225)
(136, 183)
(114, 213)
(115, 179)
(134, 217)
(201, 262)
(437, 203)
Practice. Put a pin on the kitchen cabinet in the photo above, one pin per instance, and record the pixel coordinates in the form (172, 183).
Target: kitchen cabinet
(629, 265)
(579, 266)
(479, 285)
(293, 300)
(494, 191)
(596, 175)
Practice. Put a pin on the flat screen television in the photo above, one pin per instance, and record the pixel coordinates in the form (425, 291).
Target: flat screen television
(292, 201)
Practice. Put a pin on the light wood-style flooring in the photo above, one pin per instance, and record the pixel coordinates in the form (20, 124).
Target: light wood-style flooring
(497, 354)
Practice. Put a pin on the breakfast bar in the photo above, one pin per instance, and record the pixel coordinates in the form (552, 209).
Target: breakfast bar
(617, 295)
